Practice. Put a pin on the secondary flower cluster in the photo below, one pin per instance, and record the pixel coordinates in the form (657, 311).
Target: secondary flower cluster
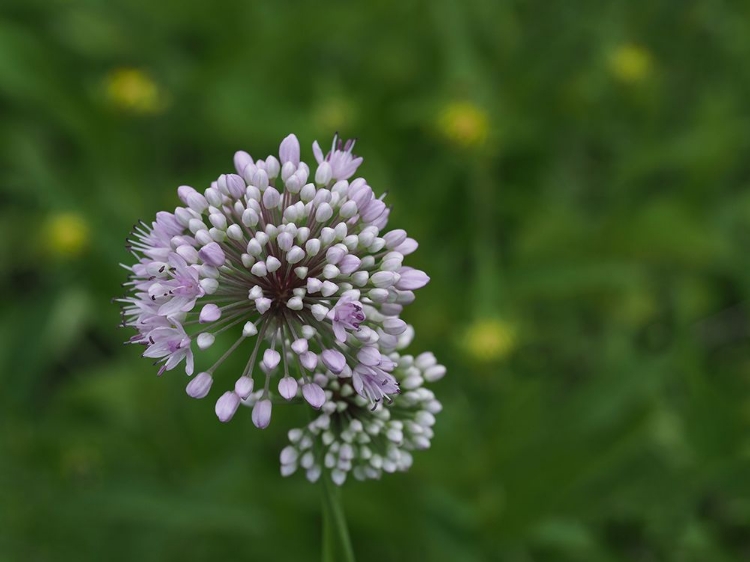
(302, 272)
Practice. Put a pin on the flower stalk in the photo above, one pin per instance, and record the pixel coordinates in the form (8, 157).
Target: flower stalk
(337, 546)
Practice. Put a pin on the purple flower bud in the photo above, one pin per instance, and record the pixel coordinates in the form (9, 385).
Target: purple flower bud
(271, 198)
(299, 346)
(394, 238)
(212, 254)
(411, 279)
(382, 219)
(288, 455)
(260, 179)
(360, 193)
(235, 185)
(289, 150)
(314, 395)
(372, 211)
(405, 297)
(285, 240)
(243, 387)
(271, 359)
(369, 356)
(309, 360)
(324, 174)
(313, 284)
(394, 326)
(334, 360)
(227, 405)
(349, 264)
(409, 246)
(262, 413)
(288, 387)
(272, 167)
(388, 342)
(383, 279)
(183, 192)
(200, 385)
(335, 253)
(434, 373)
(209, 313)
(241, 161)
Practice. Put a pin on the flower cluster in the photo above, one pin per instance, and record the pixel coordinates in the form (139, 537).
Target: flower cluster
(304, 276)
(349, 436)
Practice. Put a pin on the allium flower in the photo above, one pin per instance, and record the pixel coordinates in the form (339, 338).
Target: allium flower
(349, 436)
(312, 290)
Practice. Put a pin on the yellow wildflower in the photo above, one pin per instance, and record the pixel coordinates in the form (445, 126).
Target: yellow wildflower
(67, 234)
(489, 339)
(132, 89)
(630, 63)
(464, 124)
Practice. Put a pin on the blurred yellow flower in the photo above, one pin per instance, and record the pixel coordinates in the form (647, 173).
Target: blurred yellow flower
(630, 63)
(66, 234)
(132, 89)
(464, 124)
(489, 339)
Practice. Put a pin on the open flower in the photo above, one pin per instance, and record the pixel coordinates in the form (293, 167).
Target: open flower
(302, 274)
(346, 315)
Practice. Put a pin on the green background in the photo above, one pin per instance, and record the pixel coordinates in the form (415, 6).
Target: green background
(604, 219)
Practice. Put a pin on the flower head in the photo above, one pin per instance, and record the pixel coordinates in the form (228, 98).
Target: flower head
(349, 437)
(300, 272)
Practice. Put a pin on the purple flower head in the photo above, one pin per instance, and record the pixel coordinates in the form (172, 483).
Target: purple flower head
(292, 269)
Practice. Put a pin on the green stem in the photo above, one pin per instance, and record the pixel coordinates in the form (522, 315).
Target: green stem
(337, 546)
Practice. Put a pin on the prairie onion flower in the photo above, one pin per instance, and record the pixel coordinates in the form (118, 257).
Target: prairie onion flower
(311, 287)
(349, 436)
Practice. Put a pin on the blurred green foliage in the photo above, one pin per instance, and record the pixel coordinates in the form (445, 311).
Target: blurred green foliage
(576, 173)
